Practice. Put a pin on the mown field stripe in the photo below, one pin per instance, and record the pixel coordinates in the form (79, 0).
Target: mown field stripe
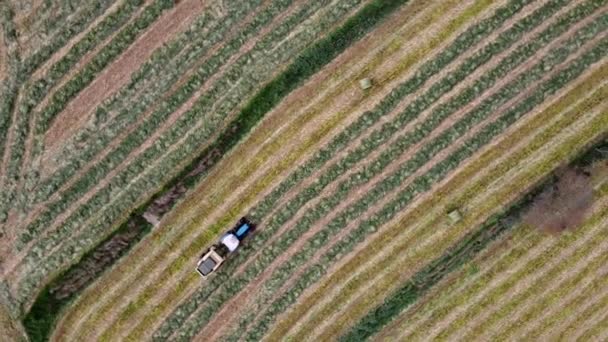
(331, 307)
(256, 267)
(377, 316)
(387, 212)
(390, 274)
(507, 144)
(334, 123)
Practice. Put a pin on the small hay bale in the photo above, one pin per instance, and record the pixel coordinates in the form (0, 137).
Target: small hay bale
(365, 83)
(454, 216)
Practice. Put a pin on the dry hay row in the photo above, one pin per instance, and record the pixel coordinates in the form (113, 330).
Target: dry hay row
(530, 149)
(340, 293)
(553, 84)
(230, 168)
(192, 139)
(326, 20)
(505, 275)
(32, 92)
(300, 259)
(256, 266)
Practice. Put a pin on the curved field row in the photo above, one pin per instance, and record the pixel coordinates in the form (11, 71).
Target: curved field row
(230, 168)
(549, 261)
(350, 311)
(188, 116)
(214, 304)
(32, 93)
(357, 272)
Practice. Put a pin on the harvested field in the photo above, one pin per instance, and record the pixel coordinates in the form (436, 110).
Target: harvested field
(134, 133)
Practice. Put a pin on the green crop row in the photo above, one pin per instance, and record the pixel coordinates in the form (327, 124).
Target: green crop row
(461, 253)
(84, 77)
(439, 114)
(471, 36)
(152, 178)
(71, 27)
(8, 91)
(135, 139)
(168, 106)
(35, 93)
(387, 185)
(155, 77)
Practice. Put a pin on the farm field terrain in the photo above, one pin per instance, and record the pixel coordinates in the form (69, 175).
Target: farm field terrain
(135, 133)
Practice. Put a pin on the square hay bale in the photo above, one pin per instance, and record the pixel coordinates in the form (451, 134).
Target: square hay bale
(365, 83)
(454, 216)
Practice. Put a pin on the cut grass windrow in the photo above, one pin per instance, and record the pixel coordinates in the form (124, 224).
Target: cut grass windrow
(355, 78)
(349, 214)
(470, 37)
(163, 171)
(422, 183)
(9, 91)
(393, 152)
(349, 268)
(429, 276)
(32, 95)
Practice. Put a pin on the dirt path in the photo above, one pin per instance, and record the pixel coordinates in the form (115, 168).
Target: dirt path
(330, 296)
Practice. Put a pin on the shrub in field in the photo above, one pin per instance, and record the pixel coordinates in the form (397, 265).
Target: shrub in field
(562, 205)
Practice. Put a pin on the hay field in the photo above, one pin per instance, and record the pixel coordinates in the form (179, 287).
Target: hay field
(134, 133)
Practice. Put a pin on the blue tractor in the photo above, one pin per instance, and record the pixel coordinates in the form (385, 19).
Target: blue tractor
(213, 258)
